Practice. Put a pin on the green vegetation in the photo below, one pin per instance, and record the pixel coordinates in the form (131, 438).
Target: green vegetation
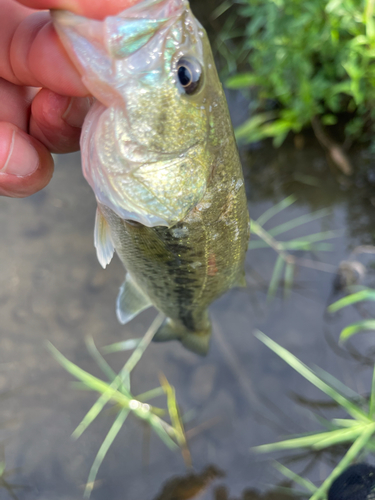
(309, 62)
(364, 294)
(118, 391)
(358, 431)
(286, 261)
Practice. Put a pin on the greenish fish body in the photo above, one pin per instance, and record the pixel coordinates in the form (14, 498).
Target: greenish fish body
(159, 152)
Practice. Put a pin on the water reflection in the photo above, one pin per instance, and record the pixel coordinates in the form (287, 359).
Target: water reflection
(308, 174)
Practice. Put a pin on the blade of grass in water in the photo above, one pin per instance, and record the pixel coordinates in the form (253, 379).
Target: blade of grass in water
(177, 424)
(360, 326)
(367, 294)
(102, 363)
(126, 345)
(308, 374)
(275, 209)
(121, 378)
(276, 277)
(310, 238)
(371, 412)
(339, 386)
(219, 11)
(350, 455)
(288, 278)
(114, 430)
(299, 221)
(138, 353)
(153, 393)
(305, 483)
(310, 441)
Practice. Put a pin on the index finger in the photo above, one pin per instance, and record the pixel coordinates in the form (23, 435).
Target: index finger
(95, 9)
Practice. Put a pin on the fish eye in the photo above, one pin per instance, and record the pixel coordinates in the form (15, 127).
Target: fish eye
(189, 73)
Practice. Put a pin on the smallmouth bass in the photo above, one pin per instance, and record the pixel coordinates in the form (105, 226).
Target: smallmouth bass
(159, 152)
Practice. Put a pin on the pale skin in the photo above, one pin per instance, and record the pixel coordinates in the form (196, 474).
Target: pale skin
(42, 100)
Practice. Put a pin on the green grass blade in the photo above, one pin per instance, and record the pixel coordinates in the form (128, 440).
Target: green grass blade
(94, 411)
(153, 393)
(344, 422)
(125, 345)
(339, 386)
(288, 278)
(138, 353)
(219, 11)
(109, 391)
(299, 221)
(290, 492)
(305, 483)
(275, 209)
(276, 277)
(360, 326)
(371, 412)
(114, 430)
(91, 381)
(339, 436)
(294, 443)
(311, 238)
(309, 375)
(348, 458)
(102, 363)
(176, 421)
(367, 294)
(164, 431)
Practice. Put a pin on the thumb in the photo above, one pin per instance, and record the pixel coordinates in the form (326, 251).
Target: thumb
(26, 166)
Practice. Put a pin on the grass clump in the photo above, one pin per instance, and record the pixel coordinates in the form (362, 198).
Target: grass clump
(117, 390)
(286, 260)
(358, 430)
(309, 61)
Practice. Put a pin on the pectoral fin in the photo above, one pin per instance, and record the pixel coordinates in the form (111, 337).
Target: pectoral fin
(130, 301)
(102, 240)
(196, 341)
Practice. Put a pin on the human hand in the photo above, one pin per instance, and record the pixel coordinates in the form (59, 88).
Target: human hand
(42, 99)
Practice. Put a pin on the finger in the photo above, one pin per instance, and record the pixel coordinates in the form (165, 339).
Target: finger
(26, 166)
(37, 58)
(56, 120)
(15, 104)
(96, 9)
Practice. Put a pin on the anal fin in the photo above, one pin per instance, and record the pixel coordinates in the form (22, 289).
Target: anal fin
(102, 240)
(196, 341)
(130, 301)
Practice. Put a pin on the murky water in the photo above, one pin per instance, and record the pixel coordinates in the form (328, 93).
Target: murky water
(53, 289)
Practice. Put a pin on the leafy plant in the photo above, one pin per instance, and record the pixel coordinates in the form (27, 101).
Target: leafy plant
(358, 430)
(118, 391)
(309, 61)
(365, 294)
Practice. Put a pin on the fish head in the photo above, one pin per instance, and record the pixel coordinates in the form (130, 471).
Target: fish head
(145, 144)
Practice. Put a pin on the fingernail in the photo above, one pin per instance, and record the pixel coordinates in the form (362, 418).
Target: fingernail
(77, 110)
(20, 159)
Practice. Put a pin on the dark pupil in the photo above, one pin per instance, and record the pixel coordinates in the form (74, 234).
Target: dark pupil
(184, 75)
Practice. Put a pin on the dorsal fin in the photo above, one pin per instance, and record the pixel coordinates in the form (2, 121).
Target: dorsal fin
(102, 240)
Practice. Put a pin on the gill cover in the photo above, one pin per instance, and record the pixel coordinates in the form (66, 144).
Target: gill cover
(144, 141)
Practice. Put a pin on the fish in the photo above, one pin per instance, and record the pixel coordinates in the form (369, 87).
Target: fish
(159, 152)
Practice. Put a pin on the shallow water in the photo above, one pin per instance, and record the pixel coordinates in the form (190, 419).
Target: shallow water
(52, 288)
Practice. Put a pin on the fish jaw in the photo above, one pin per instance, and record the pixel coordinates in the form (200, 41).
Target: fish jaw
(144, 147)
